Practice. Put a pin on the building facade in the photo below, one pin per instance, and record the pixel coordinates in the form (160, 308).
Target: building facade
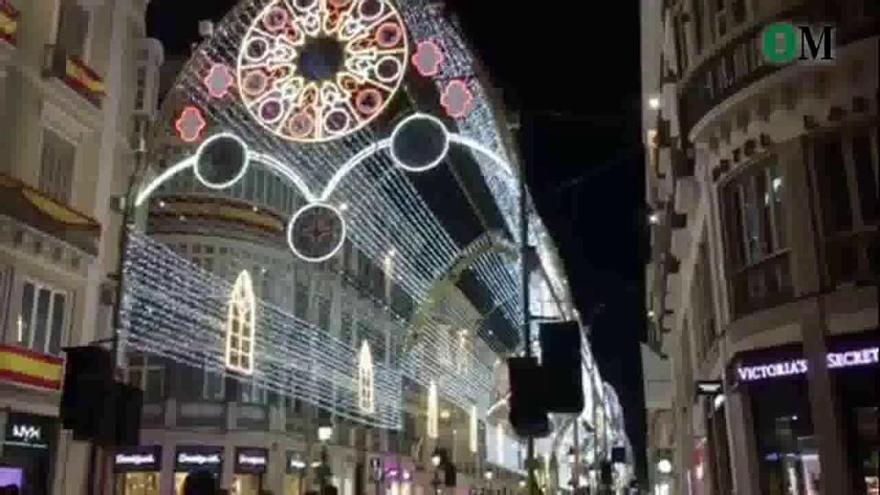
(68, 98)
(762, 166)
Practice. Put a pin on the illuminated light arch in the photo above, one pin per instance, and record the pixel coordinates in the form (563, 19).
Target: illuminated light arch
(241, 326)
(299, 101)
(322, 199)
(433, 425)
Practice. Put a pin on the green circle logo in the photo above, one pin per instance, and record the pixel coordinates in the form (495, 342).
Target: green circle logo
(780, 43)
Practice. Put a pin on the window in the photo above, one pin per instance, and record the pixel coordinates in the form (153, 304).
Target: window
(301, 301)
(40, 326)
(345, 328)
(323, 307)
(755, 239)
(845, 168)
(720, 18)
(739, 11)
(73, 28)
(251, 393)
(831, 175)
(140, 87)
(681, 44)
(56, 166)
(866, 177)
(148, 374)
(701, 304)
(698, 25)
(213, 385)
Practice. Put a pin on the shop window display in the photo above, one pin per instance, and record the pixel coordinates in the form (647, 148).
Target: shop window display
(137, 484)
(787, 446)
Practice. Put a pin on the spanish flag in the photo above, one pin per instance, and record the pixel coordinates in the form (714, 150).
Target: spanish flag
(30, 368)
(8, 23)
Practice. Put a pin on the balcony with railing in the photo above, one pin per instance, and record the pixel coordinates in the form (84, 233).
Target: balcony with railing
(37, 211)
(73, 73)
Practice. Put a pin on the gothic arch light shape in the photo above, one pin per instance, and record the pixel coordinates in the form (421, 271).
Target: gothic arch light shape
(366, 386)
(433, 422)
(241, 326)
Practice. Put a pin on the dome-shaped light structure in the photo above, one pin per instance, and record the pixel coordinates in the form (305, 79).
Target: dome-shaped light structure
(241, 325)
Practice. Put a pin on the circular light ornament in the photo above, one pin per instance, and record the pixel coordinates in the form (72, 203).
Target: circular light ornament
(316, 232)
(419, 142)
(329, 66)
(221, 161)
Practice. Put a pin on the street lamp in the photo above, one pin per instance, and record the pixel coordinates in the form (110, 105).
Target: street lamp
(489, 475)
(325, 432)
(664, 466)
(436, 460)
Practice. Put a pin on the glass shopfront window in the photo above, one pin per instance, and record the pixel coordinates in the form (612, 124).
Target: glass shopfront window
(250, 466)
(191, 458)
(787, 446)
(137, 470)
(27, 452)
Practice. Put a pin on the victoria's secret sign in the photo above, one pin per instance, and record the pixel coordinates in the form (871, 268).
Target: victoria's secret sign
(867, 356)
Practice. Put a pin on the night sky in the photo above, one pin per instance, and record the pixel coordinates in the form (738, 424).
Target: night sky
(579, 102)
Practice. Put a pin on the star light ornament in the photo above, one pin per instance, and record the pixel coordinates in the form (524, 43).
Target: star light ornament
(219, 80)
(190, 124)
(457, 99)
(241, 325)
(366, 388)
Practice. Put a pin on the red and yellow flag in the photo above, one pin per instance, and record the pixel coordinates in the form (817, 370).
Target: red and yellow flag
(30, 368)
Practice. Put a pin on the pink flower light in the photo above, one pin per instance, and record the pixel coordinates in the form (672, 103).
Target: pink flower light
(219, 80)
(190, 124)
(457, 99)
(428, 58)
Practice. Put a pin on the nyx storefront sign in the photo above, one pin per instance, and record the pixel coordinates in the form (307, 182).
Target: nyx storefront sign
(30, 432)
(251, 460)
(189, 458)
(138, 459)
